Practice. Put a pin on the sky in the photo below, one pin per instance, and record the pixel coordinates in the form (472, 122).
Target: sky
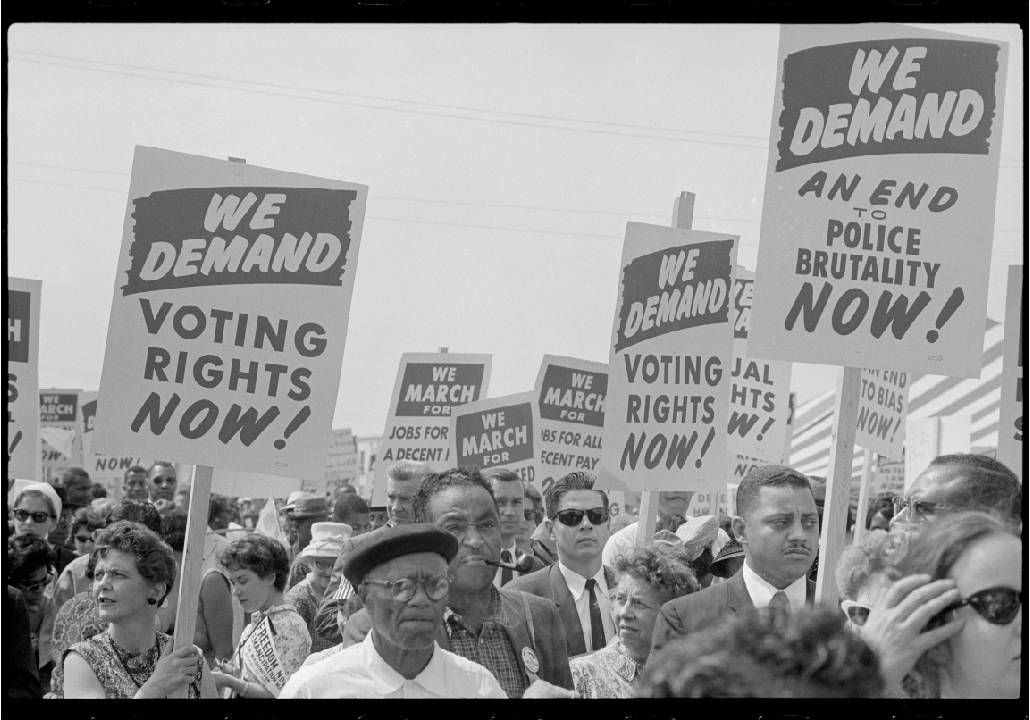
(503, 163)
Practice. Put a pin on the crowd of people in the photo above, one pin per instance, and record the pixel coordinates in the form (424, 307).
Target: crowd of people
(470, 584)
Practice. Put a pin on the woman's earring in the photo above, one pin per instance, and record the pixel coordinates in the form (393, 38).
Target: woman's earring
(151, 601)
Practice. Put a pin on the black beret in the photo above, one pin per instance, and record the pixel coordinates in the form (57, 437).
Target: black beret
(387, 543)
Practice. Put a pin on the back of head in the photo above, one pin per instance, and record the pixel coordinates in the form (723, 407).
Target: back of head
(987, 486)
(578, 480)
(137, 512)
(762, 653)
(25, 555)
(174, 529)
(435, 483)
(766, 476)
(861, 561)
(349, 504)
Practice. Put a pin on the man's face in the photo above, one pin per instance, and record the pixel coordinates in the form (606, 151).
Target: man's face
(359, 522)
(584, 542)
(162, 483)
(136, 487)
(409, 624)
(78, 492)
(469, 514)
(511, 502)
(400, 496)
(780, 534)
(938, 490)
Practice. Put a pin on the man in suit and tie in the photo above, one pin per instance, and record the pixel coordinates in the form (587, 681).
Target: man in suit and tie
(778, 525)
(510, 498)
(578, 521)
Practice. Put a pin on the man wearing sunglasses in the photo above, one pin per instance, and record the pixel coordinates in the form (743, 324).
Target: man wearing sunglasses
(578, 583)
(162, 481)
(778, 526)
(401, 575)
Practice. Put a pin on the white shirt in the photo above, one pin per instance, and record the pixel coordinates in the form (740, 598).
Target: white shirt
(514, 573)
(577, 586)
(761, 592)
(360, 672)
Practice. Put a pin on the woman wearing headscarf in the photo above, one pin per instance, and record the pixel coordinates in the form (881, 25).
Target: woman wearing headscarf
(37, 510)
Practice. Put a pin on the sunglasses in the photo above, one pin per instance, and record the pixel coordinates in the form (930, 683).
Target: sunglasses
(573, 517)
(919, 508)
(857, 614)
(996, 605)
(404, 589)
(39, 584)
(83, 538)
(37, 517)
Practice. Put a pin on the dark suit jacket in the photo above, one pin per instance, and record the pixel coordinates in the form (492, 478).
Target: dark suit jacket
(540, 631)
(550, 583)
(704, 609)
(21, 678)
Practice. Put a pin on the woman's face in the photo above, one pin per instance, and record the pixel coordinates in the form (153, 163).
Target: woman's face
(635, 609)
(985, 658)
(321, 573)
(254, 592)
(83, 538)
(34, 586)
(33, 516)
(119, 589)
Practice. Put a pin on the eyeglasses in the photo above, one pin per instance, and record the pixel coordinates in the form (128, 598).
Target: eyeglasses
(573, 517)
(37, 517)
(38, 585)
(919, 508)
(83, 538)
(996, 605)
(857, 614)
(404, 589)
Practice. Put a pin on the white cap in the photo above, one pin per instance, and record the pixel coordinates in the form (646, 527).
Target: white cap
(47, 490)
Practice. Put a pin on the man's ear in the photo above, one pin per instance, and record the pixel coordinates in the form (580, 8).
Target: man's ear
(739, 529)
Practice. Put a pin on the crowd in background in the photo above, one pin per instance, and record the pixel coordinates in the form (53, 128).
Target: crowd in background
(476, 584)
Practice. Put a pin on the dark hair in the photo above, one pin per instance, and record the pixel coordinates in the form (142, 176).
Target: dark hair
(435, 483)
(162, 463)
(763, 653)
(988, 485)
(501, 475)
(135, 470)
(154, 559)
(668, 575)
(261, 555)
(75, 473)
(407, 470)
(98, 491)
(577, 480)
(89, 518)
(174, 529)
(25, 555)
(767, 476)
(859, 562)
(347, 504)
(218, 505)
(137, 511)
(882, 504)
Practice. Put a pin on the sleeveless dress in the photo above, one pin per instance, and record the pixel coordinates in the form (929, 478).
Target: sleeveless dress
(122, 674)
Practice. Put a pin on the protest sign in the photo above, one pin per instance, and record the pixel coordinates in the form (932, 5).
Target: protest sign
(61, 442)
(230, 314)
(258, 656)
(108, 470)
(427, 389)
(23, 444)
(570, 395)
(878, 216)
(234, 483)
(341, 464)
(926, 438)
(670, 361)
(888, 477)
(497, 433)
(1011, 450)
(882, 411)
(760, 392)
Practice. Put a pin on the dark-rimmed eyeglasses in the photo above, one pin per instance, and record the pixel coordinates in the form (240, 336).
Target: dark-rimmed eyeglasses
(996, 605)
(573, 516)
(403, 589)
(84, 538)
(37, 517)
(918, 508)
(38, 584)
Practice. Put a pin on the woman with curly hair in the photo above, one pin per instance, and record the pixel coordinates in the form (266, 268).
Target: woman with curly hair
(276, 642)
(130, 659)
(648, 577)
(30, 569)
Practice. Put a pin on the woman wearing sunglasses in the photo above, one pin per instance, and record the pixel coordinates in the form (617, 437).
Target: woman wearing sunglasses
(983, 558)
(37, 509)
(30, 569)
(276, 642)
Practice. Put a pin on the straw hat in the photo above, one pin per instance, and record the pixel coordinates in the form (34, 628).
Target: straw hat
(697, 533)
(326, 540)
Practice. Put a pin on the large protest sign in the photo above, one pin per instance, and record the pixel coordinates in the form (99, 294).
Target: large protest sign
(1011, 449)
(61, 441)
(497, 433)
(428, 388)
(570, 395)
(879, 203)
(341, 464)
(760, 393)
(230, 314)
(882, 412)
(670, 362)
(23, 445)
(108, 470)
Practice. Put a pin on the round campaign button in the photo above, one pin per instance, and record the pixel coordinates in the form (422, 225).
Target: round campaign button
(529, 660)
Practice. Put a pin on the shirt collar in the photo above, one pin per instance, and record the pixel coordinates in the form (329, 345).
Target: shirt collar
(761, 591)
(577, 583)
(388, 681)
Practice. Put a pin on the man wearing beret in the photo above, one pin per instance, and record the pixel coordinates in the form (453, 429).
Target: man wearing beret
(778, 526)
(401, 576)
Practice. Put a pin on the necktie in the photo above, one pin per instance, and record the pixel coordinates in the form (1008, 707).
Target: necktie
(596, 628)
(779, 603)
(506, 573)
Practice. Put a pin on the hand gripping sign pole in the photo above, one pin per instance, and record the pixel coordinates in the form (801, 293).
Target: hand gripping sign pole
(682, 218)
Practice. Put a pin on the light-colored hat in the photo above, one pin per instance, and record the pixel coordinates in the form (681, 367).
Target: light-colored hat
(294, 496)
(47, 490)
(326, 540)
(698, 533)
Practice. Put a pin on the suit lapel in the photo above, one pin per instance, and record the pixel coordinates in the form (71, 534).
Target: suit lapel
(567, 611)
(737, 597)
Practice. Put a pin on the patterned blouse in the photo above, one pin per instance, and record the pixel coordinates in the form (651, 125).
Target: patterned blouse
(122, 674)
(607, 673)
(289, 636)
(306, 600)
(77, 620)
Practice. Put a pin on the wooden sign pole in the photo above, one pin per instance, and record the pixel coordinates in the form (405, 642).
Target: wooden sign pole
(682, 218)
(863, 496)
(838, 481)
